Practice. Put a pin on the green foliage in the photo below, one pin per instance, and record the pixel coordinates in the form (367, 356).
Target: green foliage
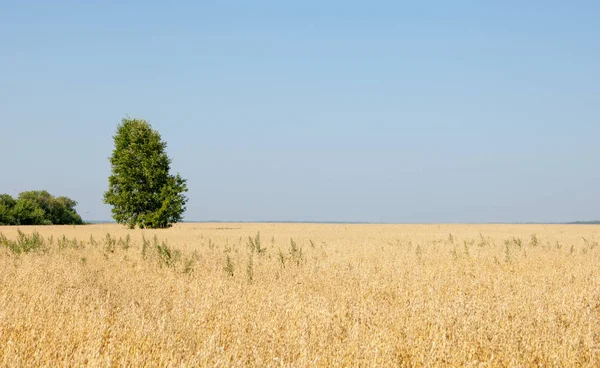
(125, 243)
(534, 241)
(24, 243)
(295, 253)
(38, 208)
(146, 245)
(507, 252)
(7, 203)
(281, 259)
(166, 255)
(188, 266)
(254, 244)
(28, 212)
(228, 266)
(141, 190)
(65, 242)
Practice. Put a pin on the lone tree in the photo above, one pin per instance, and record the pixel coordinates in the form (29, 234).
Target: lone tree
(141, 190)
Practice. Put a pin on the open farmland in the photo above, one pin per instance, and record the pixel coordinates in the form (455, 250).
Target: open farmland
(301, 295)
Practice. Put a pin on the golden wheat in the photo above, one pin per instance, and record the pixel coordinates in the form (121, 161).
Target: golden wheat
(337, 295)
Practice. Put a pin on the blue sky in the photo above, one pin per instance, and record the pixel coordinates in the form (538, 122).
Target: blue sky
(433, 111)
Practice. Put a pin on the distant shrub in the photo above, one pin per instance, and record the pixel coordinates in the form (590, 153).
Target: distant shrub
(38, 208)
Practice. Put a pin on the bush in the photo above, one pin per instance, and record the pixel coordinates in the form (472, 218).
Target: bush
(38, 208)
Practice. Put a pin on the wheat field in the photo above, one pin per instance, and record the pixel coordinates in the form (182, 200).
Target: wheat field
(300, 295)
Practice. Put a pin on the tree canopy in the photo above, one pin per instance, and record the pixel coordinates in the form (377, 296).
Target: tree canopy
(141, 190)
(38, 208)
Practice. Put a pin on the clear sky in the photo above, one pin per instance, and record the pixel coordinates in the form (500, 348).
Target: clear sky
(424, 111)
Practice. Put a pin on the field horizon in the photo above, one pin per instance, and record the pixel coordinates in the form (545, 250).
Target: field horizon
(578, 222)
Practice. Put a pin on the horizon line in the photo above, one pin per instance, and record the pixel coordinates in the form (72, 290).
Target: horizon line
(578, 222)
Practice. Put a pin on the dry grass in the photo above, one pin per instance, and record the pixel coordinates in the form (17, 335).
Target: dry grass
(345, 295)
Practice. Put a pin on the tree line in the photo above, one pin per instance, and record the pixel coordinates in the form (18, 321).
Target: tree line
(141, 190)
(38, 208)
